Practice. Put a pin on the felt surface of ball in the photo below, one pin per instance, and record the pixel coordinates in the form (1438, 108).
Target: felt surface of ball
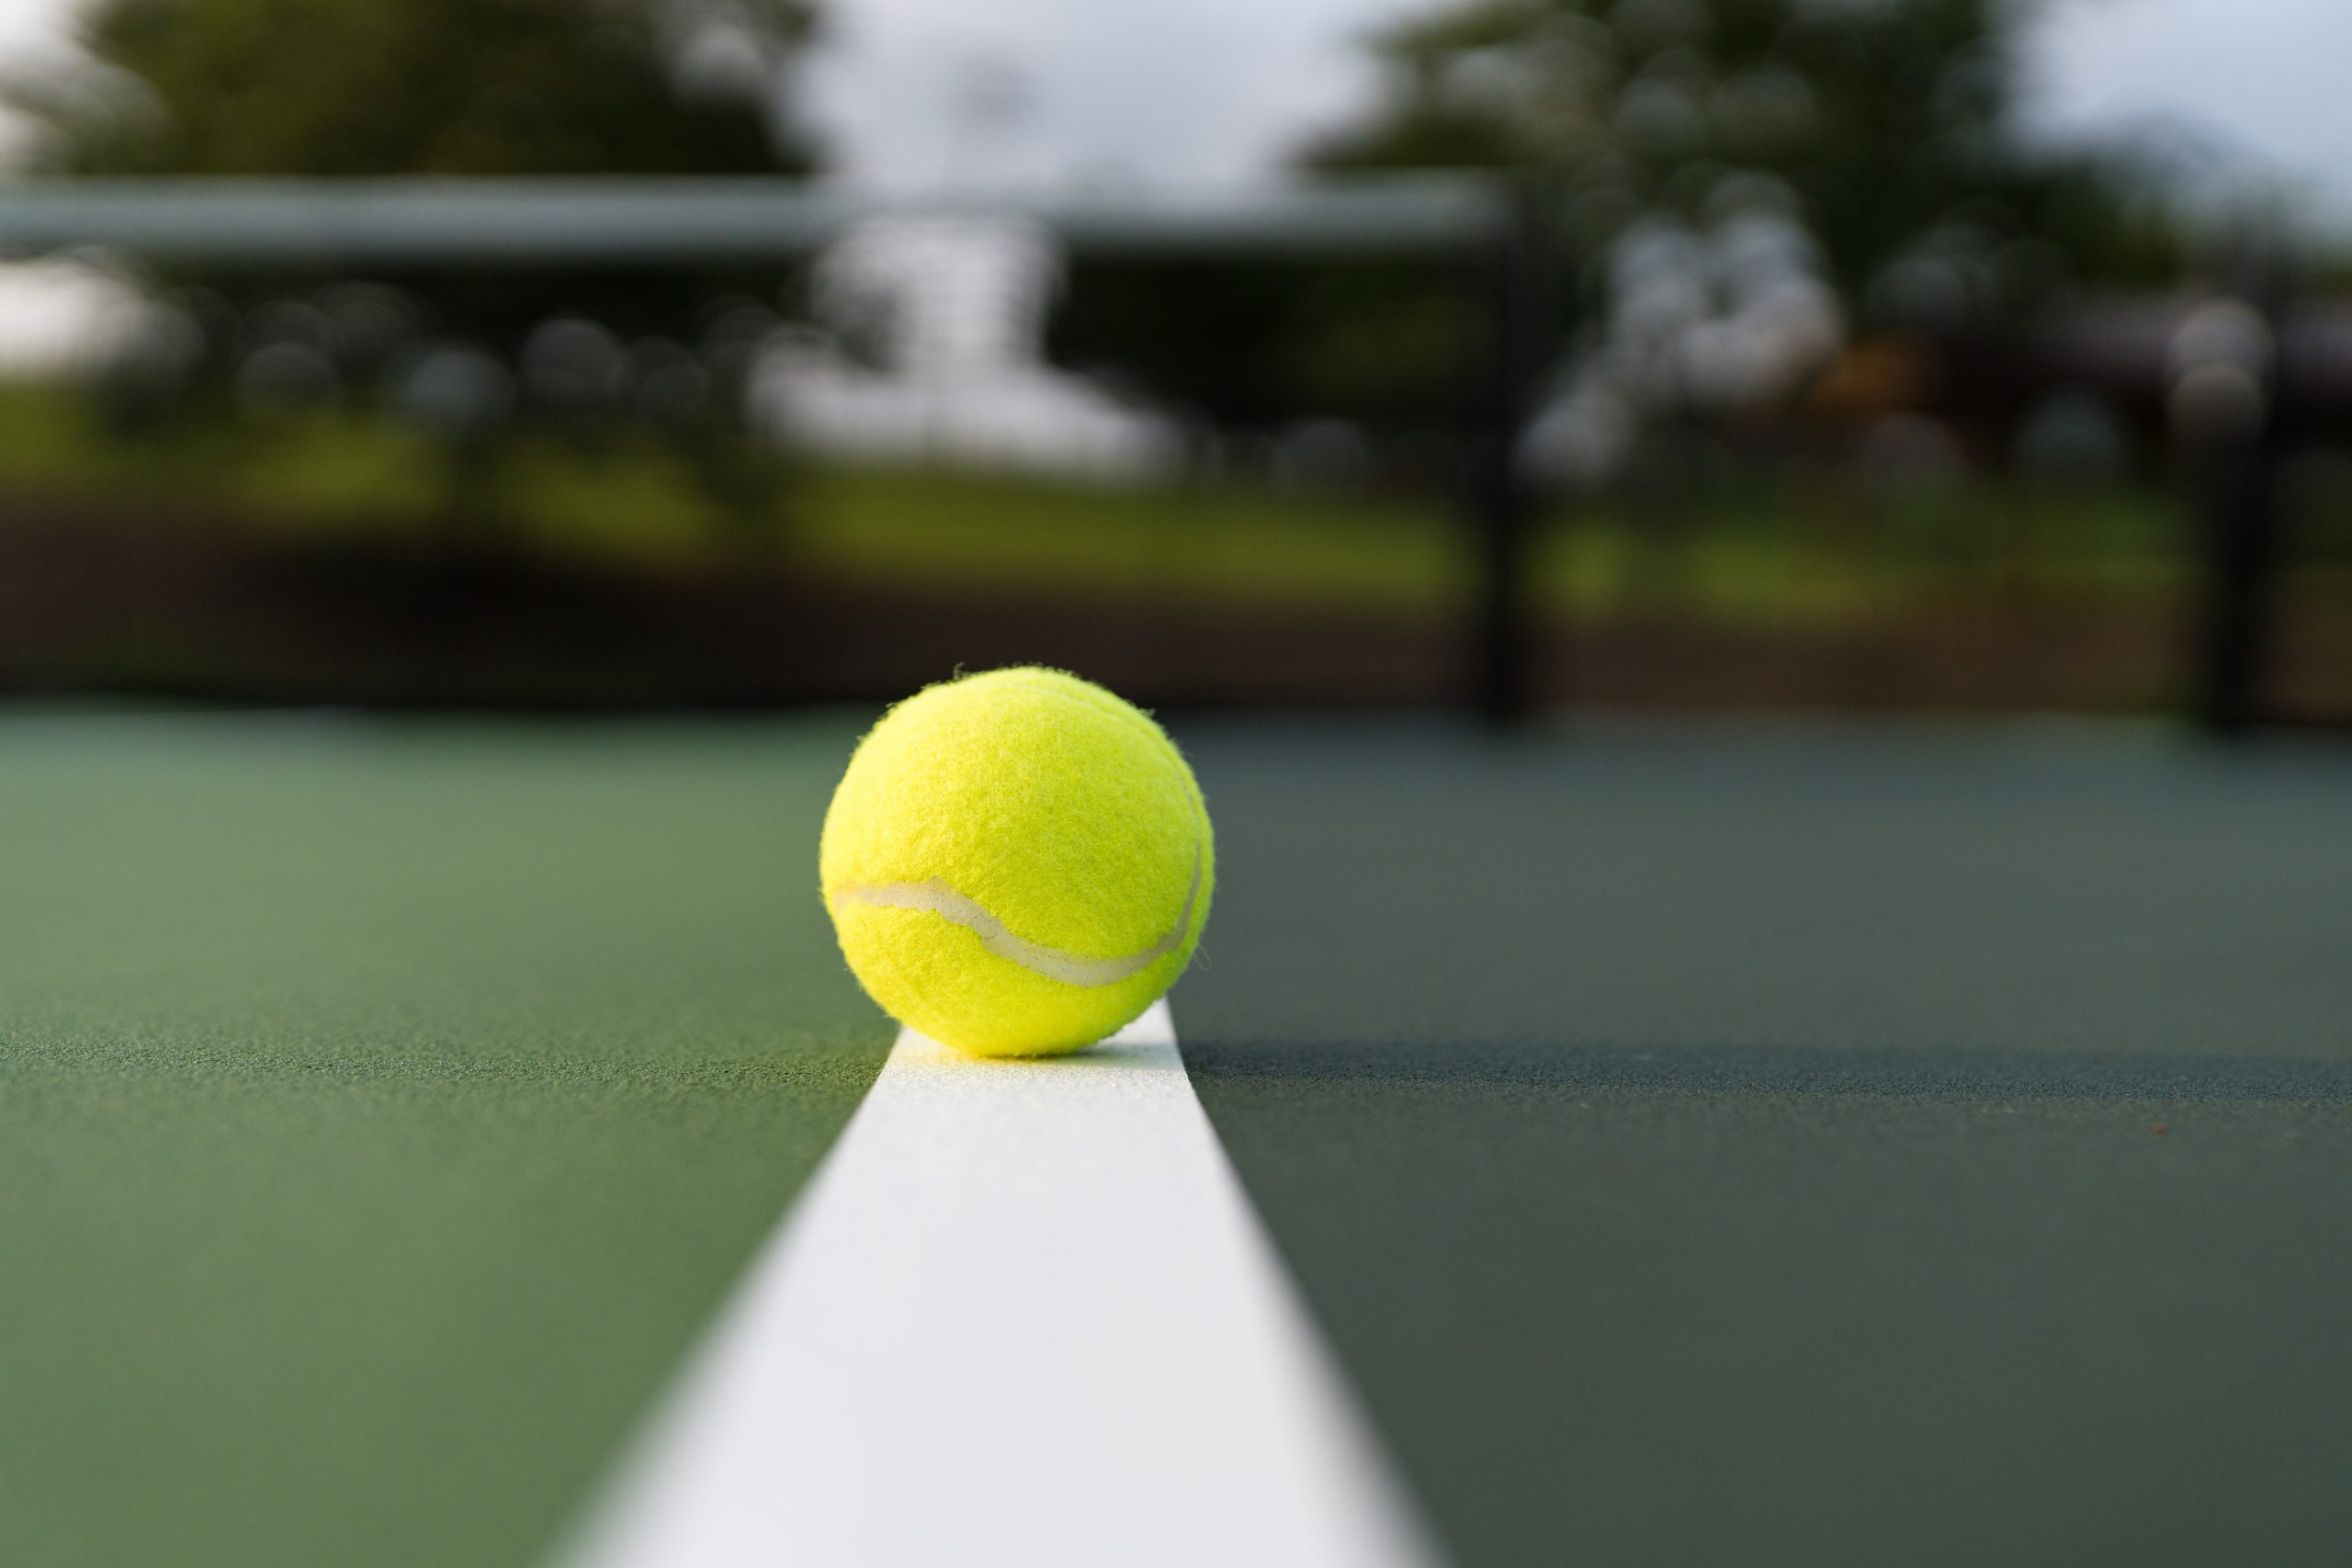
(1017, 863)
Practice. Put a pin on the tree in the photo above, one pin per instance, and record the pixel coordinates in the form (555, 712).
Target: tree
(1887, 124)
(453, 87)
(358, 87)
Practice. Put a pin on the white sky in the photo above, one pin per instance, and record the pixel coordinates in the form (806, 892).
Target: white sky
(1172, 92)
(2260, 81)
(1191, 92)
(1179, 92)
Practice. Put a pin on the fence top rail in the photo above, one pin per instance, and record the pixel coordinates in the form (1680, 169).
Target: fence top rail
(671, 221)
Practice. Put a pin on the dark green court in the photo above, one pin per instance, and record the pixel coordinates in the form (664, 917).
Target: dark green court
(1723, 1146)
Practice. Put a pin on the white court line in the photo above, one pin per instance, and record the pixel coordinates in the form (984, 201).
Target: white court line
(1024, 1316)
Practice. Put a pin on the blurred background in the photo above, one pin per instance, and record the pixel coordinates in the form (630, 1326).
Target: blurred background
(1887, 354)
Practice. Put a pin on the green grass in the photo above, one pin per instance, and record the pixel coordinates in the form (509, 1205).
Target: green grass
(1818, 555)
(1202, 545)
(333, 472)
(1800, 555)
(383, 1110)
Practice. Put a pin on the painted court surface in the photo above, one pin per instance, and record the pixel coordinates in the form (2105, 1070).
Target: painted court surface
(1726, 1145)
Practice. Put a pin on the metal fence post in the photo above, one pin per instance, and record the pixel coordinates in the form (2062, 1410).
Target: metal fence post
(1515, 283)
(2235, 478)
(2238, 501)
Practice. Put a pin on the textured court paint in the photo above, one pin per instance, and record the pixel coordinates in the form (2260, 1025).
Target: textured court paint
(384, 1109)
(1939, 888)
(1685, 1136)
(1609, 1324)
(1024, 1316)
(1753, 1160)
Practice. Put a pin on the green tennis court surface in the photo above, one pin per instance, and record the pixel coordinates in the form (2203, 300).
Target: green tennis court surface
(1698, 1145)
(382, 1112)
(1739, 1150)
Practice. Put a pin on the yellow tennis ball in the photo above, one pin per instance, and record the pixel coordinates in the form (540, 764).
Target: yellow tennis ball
(1017, 863)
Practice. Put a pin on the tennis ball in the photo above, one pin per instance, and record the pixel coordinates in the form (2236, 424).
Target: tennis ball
(1017, 863)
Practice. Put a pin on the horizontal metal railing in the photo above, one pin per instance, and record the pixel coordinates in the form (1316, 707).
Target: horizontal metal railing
(654, 221)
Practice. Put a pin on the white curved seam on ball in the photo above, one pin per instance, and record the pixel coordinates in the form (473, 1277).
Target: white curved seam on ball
(936, 896)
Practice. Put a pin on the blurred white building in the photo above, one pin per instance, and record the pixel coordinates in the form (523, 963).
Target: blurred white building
(932, 350)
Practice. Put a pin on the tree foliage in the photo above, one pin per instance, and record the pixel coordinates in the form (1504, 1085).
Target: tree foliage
(483, 357)
(360, 87)
(1885, 121)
